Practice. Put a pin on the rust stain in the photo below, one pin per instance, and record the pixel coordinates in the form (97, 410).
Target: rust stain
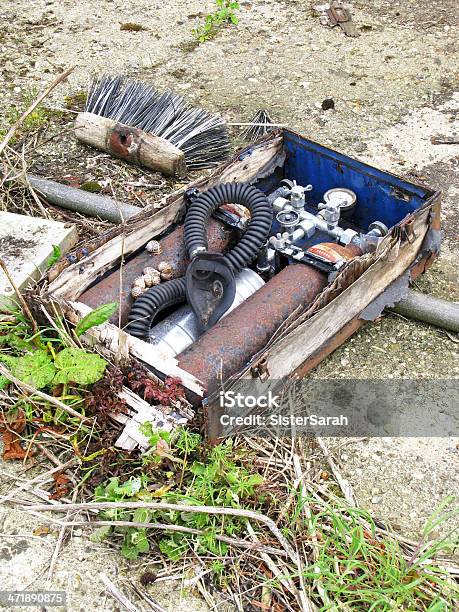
(125, 141)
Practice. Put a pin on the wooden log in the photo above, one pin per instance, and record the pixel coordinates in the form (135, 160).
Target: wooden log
(130, 143)
(429, 309)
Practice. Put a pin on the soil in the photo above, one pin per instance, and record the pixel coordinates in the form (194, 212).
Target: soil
(393, 88)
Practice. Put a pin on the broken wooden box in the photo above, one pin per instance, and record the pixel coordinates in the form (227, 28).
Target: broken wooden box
(328, 259)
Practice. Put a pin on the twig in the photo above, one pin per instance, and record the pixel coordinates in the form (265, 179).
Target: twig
(249, 514)
(343, 483)
(299, 473)
(20, 297)
(117, 594)
(25, 485)
(60, 541)
(32, 107)
(52, 400)
(152, 602)
(238, 542)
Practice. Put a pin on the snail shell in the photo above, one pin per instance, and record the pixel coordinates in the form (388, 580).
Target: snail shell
(136, 291)
(153, 247)
(152, 279)
(165, 270)
(139, 282)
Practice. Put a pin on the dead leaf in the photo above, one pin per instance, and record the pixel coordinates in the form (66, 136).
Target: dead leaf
(41, 531)
(12, 449)
(61, 484)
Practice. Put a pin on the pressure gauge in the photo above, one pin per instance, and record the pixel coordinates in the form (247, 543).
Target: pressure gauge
(342, 197)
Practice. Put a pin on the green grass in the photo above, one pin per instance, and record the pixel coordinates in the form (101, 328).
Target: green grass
(353, 566)
(37, 119)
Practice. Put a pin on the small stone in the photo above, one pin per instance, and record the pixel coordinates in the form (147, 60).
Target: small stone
(376, 499)
(328, 104)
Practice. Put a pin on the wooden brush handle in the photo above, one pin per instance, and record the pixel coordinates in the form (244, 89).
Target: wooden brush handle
(130, 144)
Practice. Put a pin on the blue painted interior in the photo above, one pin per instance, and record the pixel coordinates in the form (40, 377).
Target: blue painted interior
(381, 196)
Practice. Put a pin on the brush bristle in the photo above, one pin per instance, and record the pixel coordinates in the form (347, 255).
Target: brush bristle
(202, 136)
(262, 124)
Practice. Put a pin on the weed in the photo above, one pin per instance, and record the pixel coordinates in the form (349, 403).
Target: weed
(216, 479)
(76, 101)
(48, 360)
(224, 14)
(362, 570)
(37, 119)
(355, 566)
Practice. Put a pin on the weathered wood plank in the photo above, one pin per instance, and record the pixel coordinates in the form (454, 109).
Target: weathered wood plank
(71, 283)
(119, 343)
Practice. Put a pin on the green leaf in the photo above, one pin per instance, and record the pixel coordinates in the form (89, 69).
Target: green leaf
(35, 369)
(3, 382)
(78, 366)
(140, 540)
(101, 533)
(141, 515)
(54, 257)
(96, 317)
(173, 547)
(129, 551)
(130, 487)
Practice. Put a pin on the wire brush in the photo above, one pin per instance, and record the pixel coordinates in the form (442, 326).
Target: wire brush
(162, 131)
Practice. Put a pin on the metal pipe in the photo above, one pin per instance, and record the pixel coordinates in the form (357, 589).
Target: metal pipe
(179, 330)
(82, 201)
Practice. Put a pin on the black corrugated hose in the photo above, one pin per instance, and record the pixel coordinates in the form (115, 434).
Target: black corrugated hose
(155, 299)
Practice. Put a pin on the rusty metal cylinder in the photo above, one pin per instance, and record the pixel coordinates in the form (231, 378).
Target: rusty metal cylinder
(230, 344)
(173, 252)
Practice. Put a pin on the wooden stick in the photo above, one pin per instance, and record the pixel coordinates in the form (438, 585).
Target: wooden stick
(238, 542)
(117, 594)
(25, 308)
(345, 485)
(130, 143)
(249, 514)
(32, 107)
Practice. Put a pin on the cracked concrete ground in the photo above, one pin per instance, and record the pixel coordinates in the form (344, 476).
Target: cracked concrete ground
(393, 87)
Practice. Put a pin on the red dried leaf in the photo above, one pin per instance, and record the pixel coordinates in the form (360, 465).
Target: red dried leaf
(61, 484)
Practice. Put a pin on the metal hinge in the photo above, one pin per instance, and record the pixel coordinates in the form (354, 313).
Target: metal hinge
(260, 370)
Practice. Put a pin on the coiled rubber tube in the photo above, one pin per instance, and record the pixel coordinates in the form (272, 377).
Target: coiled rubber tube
(155, 299)
(230, 193)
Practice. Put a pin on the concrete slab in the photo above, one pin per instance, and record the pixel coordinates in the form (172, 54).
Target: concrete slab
(26, 245)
